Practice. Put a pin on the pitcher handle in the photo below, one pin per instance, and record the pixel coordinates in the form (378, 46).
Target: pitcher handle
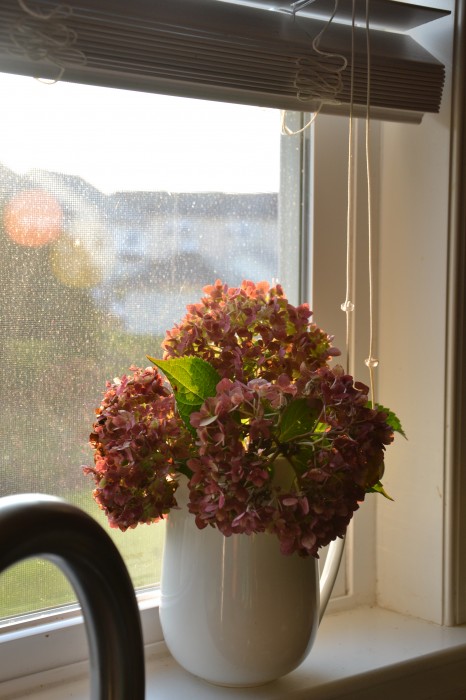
(329, 573)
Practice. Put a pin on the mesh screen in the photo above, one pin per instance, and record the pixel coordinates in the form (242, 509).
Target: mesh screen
(100, 251)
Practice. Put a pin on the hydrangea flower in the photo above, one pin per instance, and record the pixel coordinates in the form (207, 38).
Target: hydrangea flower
(138, 442)
(281, 442)
(305, 490)
(250, 331)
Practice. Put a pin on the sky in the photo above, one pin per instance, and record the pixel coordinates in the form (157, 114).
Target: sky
(123, 140)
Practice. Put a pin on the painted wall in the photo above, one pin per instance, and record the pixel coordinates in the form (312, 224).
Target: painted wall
(412, 317)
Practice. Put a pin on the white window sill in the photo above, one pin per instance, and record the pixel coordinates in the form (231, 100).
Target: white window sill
(365, 653)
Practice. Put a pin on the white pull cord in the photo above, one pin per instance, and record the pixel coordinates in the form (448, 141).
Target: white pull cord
(371, 361)
(316, 78)
(348, 306)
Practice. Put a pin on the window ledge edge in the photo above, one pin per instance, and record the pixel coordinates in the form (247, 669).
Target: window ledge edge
(357, 653)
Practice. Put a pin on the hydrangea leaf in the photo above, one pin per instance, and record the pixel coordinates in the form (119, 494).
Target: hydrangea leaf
(378, 488)
(192, 379)
(297, 419)
(302, 459)
(392, 419)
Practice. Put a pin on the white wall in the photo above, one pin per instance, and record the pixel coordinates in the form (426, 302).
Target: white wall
(412, 318)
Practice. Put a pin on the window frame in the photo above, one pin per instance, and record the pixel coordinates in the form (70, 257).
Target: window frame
(22, 638)
(23, 641)
(455, 480)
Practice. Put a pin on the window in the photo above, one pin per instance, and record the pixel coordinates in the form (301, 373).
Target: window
(109, 227)
(116, 209)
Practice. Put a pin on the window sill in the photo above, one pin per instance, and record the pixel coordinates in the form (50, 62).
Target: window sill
(363, 653)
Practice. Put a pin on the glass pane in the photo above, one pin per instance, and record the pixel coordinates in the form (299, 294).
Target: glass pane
(116, 208)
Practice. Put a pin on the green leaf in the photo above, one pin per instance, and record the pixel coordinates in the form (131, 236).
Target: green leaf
(378, 488)
(302, 459)
(297, 419)
(192, 379)
(392, 419)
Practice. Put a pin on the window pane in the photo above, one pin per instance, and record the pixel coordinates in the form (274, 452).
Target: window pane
(116, 208)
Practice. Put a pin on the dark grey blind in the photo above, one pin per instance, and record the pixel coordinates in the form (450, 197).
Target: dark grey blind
(220, 50)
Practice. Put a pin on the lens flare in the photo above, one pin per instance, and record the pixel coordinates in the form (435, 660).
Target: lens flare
(33, 218)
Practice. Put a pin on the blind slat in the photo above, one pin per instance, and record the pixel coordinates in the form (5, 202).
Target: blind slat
(217, 50)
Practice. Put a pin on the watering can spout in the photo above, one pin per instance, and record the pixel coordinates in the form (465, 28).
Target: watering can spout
(34, 525)
(329, 573)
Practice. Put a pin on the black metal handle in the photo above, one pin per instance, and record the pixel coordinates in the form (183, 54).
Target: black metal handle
(34, 525)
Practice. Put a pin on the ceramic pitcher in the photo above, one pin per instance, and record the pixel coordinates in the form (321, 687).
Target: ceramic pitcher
(234, 610)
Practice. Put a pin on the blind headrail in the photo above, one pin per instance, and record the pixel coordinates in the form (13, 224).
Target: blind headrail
(213, 49)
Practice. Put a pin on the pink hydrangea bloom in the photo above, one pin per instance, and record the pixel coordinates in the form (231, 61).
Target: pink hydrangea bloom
(250, 331)
(286, 444)
(236, 484)
(138, 441)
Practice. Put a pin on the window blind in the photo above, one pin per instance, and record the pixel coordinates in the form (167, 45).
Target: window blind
(255, 53)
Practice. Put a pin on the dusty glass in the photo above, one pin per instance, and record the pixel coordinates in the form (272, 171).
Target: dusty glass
(116, 208)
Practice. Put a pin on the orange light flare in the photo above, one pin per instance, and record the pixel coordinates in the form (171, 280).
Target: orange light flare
(33, 218)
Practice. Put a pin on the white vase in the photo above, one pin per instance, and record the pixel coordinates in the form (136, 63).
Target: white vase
(234, 610)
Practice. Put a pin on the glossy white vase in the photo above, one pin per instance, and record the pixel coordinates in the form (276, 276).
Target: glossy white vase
(234, 610)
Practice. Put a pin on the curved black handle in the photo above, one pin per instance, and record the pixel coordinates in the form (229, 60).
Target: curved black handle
(34, 525)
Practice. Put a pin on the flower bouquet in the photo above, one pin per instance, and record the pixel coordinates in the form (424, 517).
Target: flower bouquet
(270, 436)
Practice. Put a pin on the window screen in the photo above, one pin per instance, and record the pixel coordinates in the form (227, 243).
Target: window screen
(116, 208)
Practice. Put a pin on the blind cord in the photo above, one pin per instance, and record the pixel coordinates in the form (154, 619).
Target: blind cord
(371, 361)
(316, 78)
(58, 10)
(286, 131)
(44, 36)
(348, 306)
